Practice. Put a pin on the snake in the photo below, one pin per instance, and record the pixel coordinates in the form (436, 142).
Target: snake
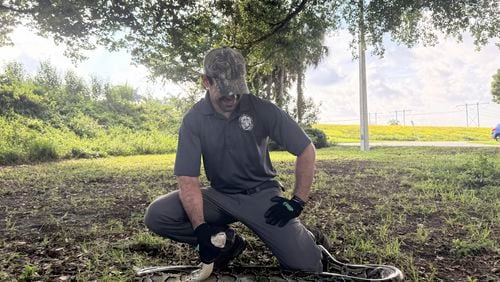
(337, 271)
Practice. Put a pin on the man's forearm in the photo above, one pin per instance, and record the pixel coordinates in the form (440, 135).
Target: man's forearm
(304, 172)
(191, 199)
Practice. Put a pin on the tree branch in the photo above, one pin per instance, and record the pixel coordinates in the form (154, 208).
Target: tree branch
(278, 26)
(12, 9)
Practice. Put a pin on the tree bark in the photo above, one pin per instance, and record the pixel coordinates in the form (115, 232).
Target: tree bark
(280, 87)
(300, 95)
(269, 87)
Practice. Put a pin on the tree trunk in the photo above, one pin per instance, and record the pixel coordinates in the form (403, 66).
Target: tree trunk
(300, 95)
(280, 87)
(269, 87)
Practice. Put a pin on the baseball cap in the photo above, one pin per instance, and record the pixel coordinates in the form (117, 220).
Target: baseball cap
(227, 68)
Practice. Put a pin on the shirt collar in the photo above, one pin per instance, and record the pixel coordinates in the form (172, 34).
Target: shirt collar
(244, 105)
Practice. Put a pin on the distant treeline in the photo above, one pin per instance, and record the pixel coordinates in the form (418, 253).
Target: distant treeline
(53, 115)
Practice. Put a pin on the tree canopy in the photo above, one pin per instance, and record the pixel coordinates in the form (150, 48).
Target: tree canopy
(279, 39)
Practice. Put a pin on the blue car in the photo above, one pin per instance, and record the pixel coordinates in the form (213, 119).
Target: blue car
(495, 132)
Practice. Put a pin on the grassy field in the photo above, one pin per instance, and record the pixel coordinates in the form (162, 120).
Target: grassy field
(26, 140)
(350, 133)
(432, 212)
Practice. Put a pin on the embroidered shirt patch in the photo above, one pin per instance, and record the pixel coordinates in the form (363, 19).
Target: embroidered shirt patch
(246, 122)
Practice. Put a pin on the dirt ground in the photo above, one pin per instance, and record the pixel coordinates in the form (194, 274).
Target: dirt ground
(57, 226)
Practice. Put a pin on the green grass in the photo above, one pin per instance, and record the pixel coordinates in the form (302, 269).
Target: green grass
(25, 140)
(420, 209)
(350, 133)
(29, 140)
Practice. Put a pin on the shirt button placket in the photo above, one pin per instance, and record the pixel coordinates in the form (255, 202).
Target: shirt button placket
(227, 137)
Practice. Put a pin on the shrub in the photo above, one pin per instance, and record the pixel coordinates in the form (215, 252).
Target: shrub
(10, 157)
(317, 136)
(84, 126)
(42, 150)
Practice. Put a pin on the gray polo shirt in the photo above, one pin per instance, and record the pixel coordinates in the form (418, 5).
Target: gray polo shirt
(235, 150)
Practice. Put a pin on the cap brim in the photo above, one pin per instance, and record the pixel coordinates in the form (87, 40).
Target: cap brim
(232, 87)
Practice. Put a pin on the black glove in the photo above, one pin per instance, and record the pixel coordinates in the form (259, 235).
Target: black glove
(284, 210)
(208, 252)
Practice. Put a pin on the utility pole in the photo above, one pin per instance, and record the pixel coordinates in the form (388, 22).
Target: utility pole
(404, 115)
(370, 119)
(365, 146)
(477, 107)
(467, 114)
(469, 119)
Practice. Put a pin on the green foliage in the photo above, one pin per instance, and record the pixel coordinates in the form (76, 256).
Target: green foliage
(29, 273)
(318, 137)
(42, 150)
(84, 126)
(478, 240)
(480, 171)
(48, 77)
(422, 234)
(279, 39)
(47, 118)
(10, 156)
(394, 122)
(17, 94)
(171, 38)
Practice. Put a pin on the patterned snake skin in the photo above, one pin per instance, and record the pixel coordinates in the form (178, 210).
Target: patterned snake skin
(337, 272)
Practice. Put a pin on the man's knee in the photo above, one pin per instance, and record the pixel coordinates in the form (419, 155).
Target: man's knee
(297, 250)
(308, 261)
(151, 218)
(163, 213)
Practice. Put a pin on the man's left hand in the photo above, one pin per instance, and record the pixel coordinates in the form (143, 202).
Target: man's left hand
(283, 210)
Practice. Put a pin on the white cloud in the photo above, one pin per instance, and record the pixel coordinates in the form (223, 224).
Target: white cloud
(421, 80)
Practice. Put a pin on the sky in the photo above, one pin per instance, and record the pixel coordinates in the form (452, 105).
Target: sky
(445, 85)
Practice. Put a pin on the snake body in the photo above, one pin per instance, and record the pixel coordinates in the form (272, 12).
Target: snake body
(338, 271)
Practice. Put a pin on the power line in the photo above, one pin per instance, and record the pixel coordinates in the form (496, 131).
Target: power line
(471, 116)
(404, 111)
(435, 113)
(376, 116)
(474, 112)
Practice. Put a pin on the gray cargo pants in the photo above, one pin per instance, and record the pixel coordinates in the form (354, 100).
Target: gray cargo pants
(293, 245)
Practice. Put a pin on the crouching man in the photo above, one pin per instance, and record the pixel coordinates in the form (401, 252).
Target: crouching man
(230, 130)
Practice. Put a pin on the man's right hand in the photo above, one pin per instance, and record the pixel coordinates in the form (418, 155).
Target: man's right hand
(208, 252)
